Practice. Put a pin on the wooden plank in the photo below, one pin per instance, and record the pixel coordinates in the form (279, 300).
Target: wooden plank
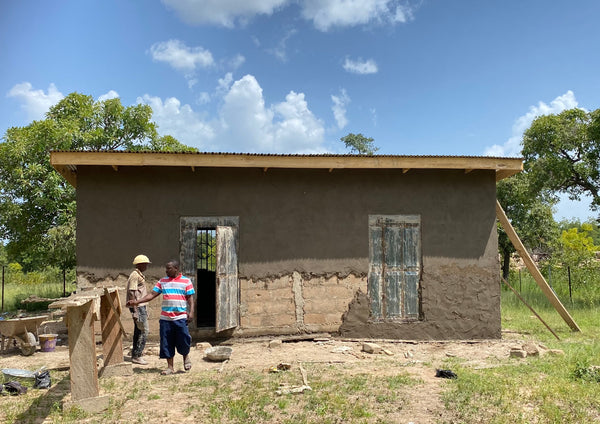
(411, 249)
(227, 280)
(530, 308)
(112, 329)
(66, 162)
(535, 272)
(374, 279)
(82, 351)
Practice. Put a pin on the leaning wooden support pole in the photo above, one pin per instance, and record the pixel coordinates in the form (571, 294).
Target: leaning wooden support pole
(530, 308)
(535, 272)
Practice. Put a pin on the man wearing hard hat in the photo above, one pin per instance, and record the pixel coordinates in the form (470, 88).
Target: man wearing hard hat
(136, 289)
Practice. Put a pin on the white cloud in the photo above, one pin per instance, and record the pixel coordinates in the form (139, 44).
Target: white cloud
(244, 122)
(237, 61)
(339, 108)
(180, 121)
(360, 66)
(287, 127)
(223, 84)
(330, 13)
(35, 103)
(203, 98)
(222, 12)
(181, 57)
(323, 13)
(280, 51)
(512, 147)
(112, 94)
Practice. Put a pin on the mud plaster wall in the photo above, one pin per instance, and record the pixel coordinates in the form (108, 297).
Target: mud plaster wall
(307, 223)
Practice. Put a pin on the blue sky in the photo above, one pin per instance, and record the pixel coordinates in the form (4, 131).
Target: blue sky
(427, 77)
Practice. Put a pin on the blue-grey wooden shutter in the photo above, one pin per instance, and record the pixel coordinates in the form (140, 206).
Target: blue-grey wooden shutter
(394, 272)
(411, 268)
(227, 280)
(375, 270)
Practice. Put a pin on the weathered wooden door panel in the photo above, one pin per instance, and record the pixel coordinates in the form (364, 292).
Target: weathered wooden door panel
(393, 293)
(394, 273)
(375, 270)
(411, 294)
(227, 280)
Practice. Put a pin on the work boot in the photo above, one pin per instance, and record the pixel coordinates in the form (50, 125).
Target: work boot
(139, 361)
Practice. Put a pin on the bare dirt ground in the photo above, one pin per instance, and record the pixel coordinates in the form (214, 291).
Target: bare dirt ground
(419, 359)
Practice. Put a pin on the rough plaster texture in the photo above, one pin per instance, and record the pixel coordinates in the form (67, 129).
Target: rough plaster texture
(307, 223)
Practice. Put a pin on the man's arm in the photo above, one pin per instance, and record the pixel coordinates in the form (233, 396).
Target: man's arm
(190, 308)
(144, 299)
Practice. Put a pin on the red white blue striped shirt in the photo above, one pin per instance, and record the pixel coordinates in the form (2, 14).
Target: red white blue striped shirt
(174, 291)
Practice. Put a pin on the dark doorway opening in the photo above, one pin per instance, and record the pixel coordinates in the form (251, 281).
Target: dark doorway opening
(206, 296)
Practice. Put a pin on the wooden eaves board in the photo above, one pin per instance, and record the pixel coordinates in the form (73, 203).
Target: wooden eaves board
(66, 162)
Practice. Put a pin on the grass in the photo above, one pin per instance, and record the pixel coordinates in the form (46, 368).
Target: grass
(548, 389)
(14, 293)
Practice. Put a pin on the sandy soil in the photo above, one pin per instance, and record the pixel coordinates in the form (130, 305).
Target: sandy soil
(421, 360)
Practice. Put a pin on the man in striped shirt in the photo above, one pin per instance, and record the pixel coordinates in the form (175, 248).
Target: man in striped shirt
(177, 310)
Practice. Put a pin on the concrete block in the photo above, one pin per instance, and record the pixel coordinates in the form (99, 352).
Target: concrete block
(371, 348)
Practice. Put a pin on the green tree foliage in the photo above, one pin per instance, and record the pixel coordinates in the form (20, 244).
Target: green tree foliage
(562, 154)
(37, 206)
(577, 247)
(591, 227)
(359, 144)
(530, 215)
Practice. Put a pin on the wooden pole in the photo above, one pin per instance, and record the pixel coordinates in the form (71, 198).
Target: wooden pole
(530, 308)
(2, 288)
(535, 272)
(570, 292)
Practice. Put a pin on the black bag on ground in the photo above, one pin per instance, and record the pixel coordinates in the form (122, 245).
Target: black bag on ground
(15, 388)
(445, 374)
(42, 380)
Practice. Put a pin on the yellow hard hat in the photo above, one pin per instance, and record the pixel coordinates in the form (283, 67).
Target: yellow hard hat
(141, 259)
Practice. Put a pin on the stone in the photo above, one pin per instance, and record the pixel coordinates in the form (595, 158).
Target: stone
(371, 348)
(556, 352)
(218, 353)
(273, 344)
(531, 349)
(518, 353)
(203, 346)
(388, 352)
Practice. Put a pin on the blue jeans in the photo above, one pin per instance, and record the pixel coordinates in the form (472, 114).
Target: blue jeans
(140, 332)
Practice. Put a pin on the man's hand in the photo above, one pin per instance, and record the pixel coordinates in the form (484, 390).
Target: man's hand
(131, 303)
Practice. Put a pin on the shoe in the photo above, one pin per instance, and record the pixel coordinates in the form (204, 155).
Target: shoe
(139, 361)
(187, 364)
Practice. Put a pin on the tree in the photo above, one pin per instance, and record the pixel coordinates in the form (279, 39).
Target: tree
(359, 144)
(562, 154)
(531, 216)
(577, 247)
(37, 206)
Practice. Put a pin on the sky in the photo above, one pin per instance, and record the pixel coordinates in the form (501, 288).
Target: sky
(421, 77)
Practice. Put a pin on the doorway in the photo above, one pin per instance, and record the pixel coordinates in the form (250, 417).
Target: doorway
(208, 252)
(206, 277)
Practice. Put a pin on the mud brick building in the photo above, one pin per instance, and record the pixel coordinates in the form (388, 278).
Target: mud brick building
(365, 246)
